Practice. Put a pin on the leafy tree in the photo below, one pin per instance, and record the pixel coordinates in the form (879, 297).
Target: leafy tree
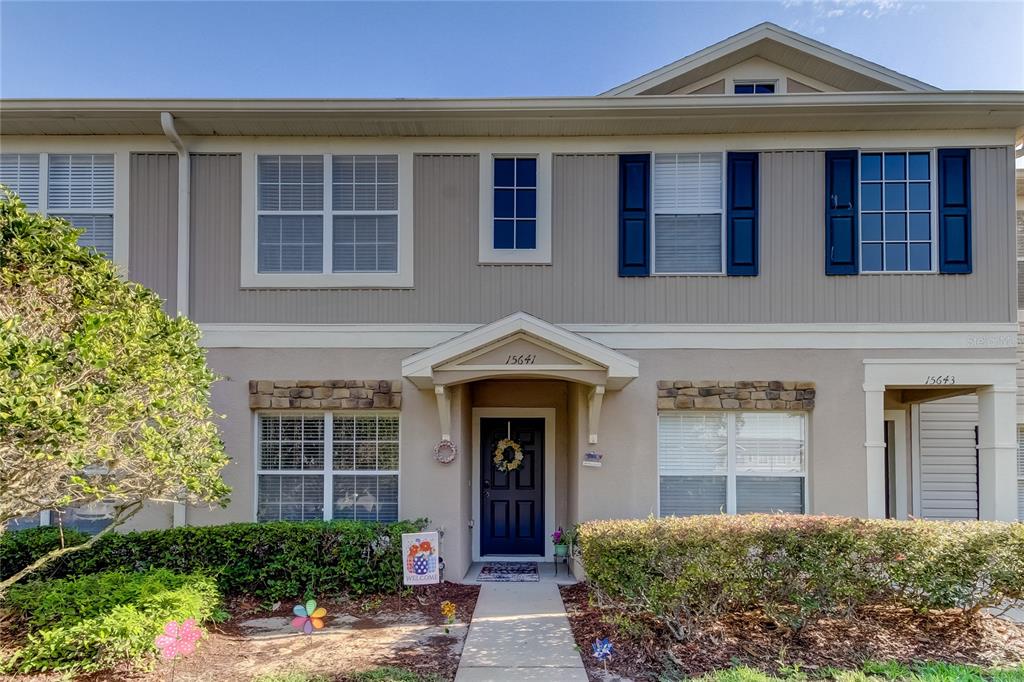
(103, 396)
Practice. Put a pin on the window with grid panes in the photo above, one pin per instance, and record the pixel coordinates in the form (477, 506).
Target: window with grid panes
(78, 188)
(358, 480)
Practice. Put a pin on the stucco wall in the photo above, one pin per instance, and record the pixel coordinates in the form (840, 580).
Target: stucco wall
(626, 484)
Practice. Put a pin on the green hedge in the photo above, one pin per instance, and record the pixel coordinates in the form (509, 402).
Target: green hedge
(19, 548)
(270, 561)
(684, 571)
(100, 621)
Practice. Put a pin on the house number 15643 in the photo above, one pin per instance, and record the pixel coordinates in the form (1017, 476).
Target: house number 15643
(943, 379)
(520, 359)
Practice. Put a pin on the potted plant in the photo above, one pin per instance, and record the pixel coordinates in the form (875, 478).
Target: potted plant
(563, 540)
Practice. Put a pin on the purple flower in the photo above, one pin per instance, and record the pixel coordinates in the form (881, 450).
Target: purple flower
(557, 535)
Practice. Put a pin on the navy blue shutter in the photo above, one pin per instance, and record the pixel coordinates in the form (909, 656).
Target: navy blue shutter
(741, 214)
(955, 211)
(634, 215)
(842, 241)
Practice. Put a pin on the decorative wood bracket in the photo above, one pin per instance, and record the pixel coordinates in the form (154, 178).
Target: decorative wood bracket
(594, 399)
(444, 411)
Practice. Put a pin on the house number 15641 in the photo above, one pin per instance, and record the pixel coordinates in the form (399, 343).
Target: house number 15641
(520, 359)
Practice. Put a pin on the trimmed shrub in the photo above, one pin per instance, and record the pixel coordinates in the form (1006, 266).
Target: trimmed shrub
(99, 621)
(686, 571)
(269, 561)
(19, 548)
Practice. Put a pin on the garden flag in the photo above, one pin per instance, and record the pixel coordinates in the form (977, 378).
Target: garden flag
(420, 561)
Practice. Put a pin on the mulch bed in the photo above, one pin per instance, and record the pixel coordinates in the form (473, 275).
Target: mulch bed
(228, 654)
(876, 633)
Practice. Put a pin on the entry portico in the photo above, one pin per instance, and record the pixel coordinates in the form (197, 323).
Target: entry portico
(533, 383)
(520, 346)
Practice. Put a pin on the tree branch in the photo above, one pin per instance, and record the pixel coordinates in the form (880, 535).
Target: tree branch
(121, 515)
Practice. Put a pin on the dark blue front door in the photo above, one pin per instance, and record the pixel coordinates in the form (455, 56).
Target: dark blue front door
(512, 502)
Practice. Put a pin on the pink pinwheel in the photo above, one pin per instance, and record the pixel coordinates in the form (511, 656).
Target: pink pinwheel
(308, 616)
(178, 639)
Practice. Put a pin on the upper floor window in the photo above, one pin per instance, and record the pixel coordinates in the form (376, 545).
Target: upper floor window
(20, 173)
(77, 187)
(896, 222)
(515, 208)
(515, 203)
(753, 87)
(688, 215)
(328, 214)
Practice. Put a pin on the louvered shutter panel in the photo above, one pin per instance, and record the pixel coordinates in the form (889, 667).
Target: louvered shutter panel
(634, 215)
(955, 211)
(741, 217)
(841, 234)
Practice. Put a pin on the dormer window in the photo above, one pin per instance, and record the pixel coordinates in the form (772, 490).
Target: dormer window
(753, 87)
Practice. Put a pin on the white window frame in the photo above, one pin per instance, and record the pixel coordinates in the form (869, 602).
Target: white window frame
(731, 471)
(756, 81)
(119, 211)
(328, 472)
(251, 278)
(933, 191)
(654, 218)
(487, 254)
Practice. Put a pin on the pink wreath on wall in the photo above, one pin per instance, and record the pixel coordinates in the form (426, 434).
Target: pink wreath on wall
(445, 451)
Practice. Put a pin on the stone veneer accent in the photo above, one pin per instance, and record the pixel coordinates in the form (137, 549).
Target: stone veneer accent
(337, 394)
(757, 394)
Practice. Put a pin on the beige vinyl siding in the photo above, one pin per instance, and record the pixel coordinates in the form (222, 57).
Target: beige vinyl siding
(153, 220)
(214, 241)
(582, 284)
(949, 458)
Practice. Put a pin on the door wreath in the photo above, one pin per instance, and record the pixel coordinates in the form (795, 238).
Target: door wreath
(508, 455)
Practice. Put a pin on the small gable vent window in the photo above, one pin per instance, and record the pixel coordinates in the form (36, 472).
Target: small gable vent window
(753, 87)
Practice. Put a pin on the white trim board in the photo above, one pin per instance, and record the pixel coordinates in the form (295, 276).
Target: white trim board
(925, 335)
(550, 452)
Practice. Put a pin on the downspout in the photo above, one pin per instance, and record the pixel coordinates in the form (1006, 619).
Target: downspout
(180, 511)
(184, 192)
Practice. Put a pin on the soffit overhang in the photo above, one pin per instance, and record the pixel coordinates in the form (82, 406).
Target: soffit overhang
(533, 117)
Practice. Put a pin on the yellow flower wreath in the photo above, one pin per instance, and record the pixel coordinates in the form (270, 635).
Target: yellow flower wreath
(501, 463)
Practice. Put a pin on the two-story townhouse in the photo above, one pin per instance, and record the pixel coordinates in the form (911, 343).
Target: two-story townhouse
(766, 277)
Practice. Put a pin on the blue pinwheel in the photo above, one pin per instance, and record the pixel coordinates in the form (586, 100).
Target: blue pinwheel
(602, 649)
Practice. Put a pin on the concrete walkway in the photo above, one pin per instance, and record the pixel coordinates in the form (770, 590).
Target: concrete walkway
(520, 632)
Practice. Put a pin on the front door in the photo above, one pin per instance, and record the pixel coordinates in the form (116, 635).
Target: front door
(512, 502)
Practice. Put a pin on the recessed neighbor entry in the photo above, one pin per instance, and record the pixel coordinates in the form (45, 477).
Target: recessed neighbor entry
(512, 502)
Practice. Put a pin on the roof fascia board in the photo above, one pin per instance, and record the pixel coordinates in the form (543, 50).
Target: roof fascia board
(71, 108)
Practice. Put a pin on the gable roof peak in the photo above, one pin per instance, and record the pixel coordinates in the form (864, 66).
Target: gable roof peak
(780, 45)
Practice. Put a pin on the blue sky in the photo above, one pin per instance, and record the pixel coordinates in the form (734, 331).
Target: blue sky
(462, 49)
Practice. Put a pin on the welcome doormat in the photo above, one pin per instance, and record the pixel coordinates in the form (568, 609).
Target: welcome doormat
(509, 572)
